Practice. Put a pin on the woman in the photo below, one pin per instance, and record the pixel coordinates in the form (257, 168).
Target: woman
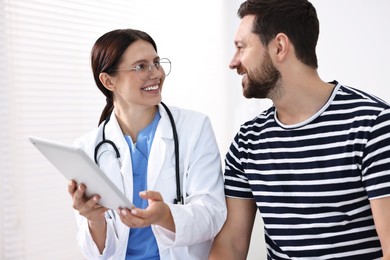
(129, 72)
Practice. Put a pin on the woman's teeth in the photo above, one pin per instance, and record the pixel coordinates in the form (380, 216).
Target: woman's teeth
(151, 88)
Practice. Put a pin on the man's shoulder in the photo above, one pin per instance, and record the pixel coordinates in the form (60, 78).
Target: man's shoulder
(357, 96)
(261, 119)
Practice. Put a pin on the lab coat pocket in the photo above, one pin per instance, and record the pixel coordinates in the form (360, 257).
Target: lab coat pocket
(167, 184)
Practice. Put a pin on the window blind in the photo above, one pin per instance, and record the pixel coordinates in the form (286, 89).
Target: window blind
(47, 90)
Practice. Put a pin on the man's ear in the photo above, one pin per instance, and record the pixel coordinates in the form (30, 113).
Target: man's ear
(107, 81)
(281, 45)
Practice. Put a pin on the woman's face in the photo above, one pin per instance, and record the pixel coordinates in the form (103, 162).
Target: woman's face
(131, 87)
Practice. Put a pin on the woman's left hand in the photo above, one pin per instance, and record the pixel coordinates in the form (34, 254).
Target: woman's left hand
(157, 213)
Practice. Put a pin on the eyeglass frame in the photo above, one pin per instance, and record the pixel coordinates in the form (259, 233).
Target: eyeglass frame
(150, 68)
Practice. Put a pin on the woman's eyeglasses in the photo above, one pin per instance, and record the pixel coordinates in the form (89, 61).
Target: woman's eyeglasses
(144, 70)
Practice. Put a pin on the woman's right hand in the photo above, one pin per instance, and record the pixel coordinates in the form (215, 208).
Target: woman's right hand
(90, 209)
(87, 207)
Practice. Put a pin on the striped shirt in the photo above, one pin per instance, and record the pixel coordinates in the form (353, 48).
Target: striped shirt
(312, 181)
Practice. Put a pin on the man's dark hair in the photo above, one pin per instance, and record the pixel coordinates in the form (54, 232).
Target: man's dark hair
(295, 18)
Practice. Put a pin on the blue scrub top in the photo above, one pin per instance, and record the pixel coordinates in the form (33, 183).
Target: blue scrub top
(142, 243)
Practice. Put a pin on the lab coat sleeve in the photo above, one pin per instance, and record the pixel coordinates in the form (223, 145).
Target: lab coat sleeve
(87, 245)
(204, 212)
(117, 233)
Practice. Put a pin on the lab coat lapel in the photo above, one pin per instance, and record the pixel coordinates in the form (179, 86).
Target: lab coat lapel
(157, 153)
(114, 133)
(158, 149)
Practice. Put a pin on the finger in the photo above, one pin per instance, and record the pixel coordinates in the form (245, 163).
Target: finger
(131, 213)
(90, 209)
(151, 195)
(127, 217)
(79, 193)
(72, 186)
(145, 217)
(93, 202)
(130, 220)
(78, 197)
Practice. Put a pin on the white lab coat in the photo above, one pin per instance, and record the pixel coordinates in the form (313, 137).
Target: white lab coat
(204, 210)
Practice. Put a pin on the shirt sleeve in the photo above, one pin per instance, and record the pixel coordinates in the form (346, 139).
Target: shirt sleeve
(236, 181)
(376, 158)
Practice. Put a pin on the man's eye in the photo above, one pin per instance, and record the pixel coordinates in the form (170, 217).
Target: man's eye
(157, 64)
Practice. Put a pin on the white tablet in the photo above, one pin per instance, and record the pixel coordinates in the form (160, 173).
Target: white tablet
(75, 165)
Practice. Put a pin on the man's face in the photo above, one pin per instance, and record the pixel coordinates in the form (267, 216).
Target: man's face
(252, 60)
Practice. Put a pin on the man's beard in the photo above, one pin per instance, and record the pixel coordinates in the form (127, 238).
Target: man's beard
(263, 79)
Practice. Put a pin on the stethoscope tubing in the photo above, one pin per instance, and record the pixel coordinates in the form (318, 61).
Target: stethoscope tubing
(179, 197)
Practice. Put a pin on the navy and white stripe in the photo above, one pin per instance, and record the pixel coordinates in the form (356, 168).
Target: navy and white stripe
(312, 182)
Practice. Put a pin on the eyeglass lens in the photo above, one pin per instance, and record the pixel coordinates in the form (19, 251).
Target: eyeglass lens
(164, 65)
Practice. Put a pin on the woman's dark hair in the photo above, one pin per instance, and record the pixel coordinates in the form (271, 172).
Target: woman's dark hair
(295, 18)
(106, 54)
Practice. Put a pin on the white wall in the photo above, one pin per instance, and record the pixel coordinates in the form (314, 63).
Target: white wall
(353, 45)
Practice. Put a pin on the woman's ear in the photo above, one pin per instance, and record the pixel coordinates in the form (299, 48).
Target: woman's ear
(107, 81)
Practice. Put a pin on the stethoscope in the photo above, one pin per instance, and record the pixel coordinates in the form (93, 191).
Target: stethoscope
(179, 198)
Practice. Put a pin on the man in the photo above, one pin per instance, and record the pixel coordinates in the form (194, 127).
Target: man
(317, 163)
